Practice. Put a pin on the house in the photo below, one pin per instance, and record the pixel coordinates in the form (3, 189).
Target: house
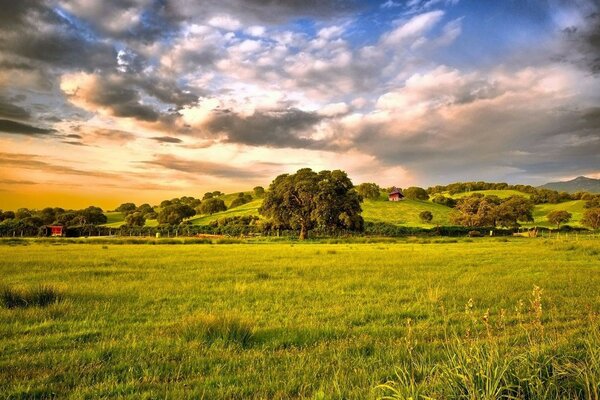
(395, 195)
(55, 230)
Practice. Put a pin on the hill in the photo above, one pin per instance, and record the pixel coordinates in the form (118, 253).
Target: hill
(579, 184)
(503, 194)
(403, 213)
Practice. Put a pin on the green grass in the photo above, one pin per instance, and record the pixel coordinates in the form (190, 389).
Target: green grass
(500, 193)
(115, 219)
(575, 207)
(301, 320)
(405, 212)
(245, 209)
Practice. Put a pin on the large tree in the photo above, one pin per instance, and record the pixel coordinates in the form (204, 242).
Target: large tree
(175, 213)
(135, 219)
(369, 190)
(479, 210)
(558, 217)
(591, 218)
(415, 193)
(307, 200)
(212, 205)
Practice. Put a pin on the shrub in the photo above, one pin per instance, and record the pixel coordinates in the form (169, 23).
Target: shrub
(211, 329)
(40, 296)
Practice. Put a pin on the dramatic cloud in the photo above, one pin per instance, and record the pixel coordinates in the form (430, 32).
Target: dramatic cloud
(19, 128)
(419, 91)
(283, 128)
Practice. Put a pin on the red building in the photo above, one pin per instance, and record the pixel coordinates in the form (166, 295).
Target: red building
(55, 230)
(395, 195)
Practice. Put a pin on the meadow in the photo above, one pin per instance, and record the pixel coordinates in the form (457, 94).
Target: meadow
(480, 318)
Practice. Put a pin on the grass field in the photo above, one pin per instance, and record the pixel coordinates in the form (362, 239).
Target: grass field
(315, 321)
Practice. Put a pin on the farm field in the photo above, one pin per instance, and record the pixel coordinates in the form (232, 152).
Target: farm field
(304, 320)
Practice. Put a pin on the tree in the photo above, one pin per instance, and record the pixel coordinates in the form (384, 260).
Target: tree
(415, 193)
(126, 208)
(426, 216)
(259, 191)
(369, 190)
(513, 210)
(92, 216)
(145, 209)
(22, 213)
(307, 199)
(212, 205)
(7, 215)
(445, 201)
(591, 218)
(175, 213)
(207, 195)
(240, 200)
(558, 217)
(135, 219)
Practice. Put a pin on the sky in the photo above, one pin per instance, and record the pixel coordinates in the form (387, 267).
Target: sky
(103, 102)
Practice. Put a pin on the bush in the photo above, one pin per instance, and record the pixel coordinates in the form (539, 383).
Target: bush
(416, 193)
(211, 329)
(40, 296)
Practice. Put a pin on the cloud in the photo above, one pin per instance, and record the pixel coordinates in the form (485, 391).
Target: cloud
(280, 128)
(584, 42)
(413, 28)
(16, 182)
(34, 162)
(10, 110)
(207, 168)
(167, 139)
(109, 93)
(19, 128)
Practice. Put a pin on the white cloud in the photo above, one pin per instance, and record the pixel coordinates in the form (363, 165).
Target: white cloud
(225, 22)
(413, 28)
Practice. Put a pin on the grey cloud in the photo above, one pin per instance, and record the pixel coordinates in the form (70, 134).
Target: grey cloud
(10, 110)
(264, 11)
(166, 139)
(37, 35)
(219, 170)
(584, 43)
(493, 144)
(283, 128)
(19, 128)
(124, 101)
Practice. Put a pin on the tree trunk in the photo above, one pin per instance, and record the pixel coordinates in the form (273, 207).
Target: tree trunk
(303, 232)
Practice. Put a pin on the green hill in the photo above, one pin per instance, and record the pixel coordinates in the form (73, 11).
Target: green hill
(503, 194)
(404, 213)
(575, 207)
(245, 209)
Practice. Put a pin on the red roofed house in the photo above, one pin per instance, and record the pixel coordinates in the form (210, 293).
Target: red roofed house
(395, 195)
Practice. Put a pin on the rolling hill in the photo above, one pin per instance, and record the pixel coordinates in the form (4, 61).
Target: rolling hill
(579, 184)
(402, 213)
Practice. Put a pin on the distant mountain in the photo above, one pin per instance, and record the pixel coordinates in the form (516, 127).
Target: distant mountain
(579, 184)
